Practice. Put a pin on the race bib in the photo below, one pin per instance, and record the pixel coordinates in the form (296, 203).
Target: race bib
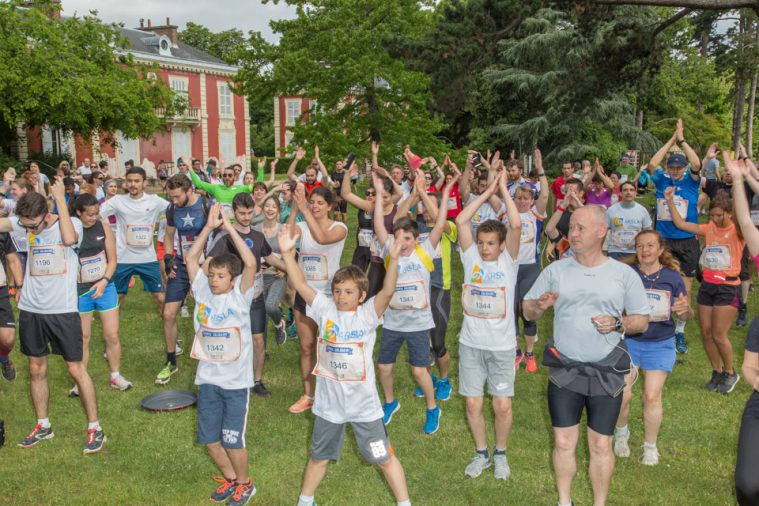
(258, 285)
(453, 203)
(365, 237)
(659, 303)
(716, 258)
(217, 345)
(755, 218)
(186, 242)
(48, 260)
(484, 302)
(340, 361)
(528, 232)
(139, 236)
(623, 239)
(92, 268)
(314, 266)
(409, 296)
(662, 209)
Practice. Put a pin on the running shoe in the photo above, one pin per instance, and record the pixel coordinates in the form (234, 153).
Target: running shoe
(95, 441)
(223, 491)
(389, 409)
(502, 470)
(292, 331)
(742, 319)
(714, 382)
(8, 370)
(728, 382)
(281, 332)
(120, 383)
(184, 312)
(74, 392)
(443, 392)
(303, 404)
(650, 455)
(680, 344)
(621, 449)
(243, 493)
(166, 373)
(477, 465)
(418, 392)
(178, 350)
(260, 390)
(532, 365)
(518, 359)
(432, 422)
(39, 433)
(131, 282)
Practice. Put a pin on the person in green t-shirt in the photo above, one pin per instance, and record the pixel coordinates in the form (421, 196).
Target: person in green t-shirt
(627, 170)
(222, 193)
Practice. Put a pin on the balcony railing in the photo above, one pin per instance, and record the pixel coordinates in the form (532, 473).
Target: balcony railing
(188, 116)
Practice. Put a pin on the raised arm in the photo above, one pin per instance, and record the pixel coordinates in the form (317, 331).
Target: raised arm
(192, 258)
(658, 157)
(742, 209)
(68, 232)
(690, 154)
(514, 235)
(249, 265)
(299, 154)
(545, 191)
(202, 185)
(379, 215)
(441, 216)
(608, 183)
(347, 194)
(677, 220)
(294, 275)
(326, 180)
(466, 214)
(375, 153)
(465, 185)
(321, 236)
(383, 297)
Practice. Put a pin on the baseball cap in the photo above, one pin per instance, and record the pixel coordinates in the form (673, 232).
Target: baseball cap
(677, 159)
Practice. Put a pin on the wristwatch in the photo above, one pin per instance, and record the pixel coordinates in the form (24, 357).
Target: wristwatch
(618, 324)
(680, 143)
(542, 174)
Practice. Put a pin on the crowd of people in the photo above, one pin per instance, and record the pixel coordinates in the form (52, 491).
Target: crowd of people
(617, 276)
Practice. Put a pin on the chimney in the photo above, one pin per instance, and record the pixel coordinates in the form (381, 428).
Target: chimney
(168, 29)
(142, 22)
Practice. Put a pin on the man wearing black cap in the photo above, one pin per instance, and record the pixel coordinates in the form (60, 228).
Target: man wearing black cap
(683, 245)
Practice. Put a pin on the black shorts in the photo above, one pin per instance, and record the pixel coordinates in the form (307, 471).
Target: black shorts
(566, 408)
(710, 294)
(341, 206)
(745, 274)
(299, 304)
(687, 251)
(41, 333)
(7, 320)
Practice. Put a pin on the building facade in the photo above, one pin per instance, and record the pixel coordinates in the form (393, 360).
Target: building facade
(287, 111)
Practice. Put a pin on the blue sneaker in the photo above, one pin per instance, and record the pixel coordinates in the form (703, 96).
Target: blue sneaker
(292, 331)
(443, 389)
(390, 408)
(680, 344)
(432, 424)
(418, 392)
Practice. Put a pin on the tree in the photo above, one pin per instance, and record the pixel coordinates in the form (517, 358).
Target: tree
(226, 45)
(63, 73)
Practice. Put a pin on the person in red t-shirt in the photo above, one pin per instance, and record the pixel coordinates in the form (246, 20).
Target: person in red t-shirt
(557, 187)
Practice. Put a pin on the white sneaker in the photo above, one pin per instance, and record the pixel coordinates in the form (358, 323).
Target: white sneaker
(620, 445)
(502, 469)
(477, 465)
(178, 349)
(74, 392)
(184, 312)
(120, 383)
(650, 455)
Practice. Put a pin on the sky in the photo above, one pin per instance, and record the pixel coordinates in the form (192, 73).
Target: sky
(217, 15)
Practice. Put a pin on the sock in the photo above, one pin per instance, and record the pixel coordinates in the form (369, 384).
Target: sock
(680, 326)
(529, 354)
(407, 502)
(499, 451)
(519, 352)
(93, 425)
(485, 453)
(568, 504)
(44, 422)
(115, 374)
(621, 431)
(442, 380)
(305, 500)
(650, 446)
(172, 357)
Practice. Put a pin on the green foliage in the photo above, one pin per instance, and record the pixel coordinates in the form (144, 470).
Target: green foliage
(226, 45)
(48, 161)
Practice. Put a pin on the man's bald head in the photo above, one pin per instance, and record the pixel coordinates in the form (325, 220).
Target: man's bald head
(587, 229)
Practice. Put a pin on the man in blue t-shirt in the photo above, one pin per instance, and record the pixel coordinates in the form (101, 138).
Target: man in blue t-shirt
(684, 173)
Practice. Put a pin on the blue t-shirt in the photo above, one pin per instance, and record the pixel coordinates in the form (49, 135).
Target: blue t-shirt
(644, 178)
(685, 189)
(188, 222)
(661, 289)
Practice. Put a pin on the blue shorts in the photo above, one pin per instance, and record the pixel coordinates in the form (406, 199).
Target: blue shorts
(149, 273)
(258, 319)
(222, 416)
(178, 286)
(107, 302)
(418, 344)
(652, 355)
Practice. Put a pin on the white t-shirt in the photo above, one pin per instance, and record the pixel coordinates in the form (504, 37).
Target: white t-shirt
(302, 177)
(484, 213)
(84, 170)
(624, 224)
(51, 271)
(222, 330)
(487, 298)
(135, 224)
(528, 242)
(9, 206)
(410, 309)
(346, 388)
(319, 262)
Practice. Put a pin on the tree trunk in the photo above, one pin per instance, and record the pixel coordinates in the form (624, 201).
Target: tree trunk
(740, 86)
(703, 50)
(693, 4)
(750, 117)
(639, 119)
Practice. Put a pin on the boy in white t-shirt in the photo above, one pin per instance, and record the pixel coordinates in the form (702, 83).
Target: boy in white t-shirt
(345, 383)
(223, 291)
(487, 342)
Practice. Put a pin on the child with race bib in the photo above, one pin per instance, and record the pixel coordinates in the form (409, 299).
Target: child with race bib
(223, 291)
(345, 383)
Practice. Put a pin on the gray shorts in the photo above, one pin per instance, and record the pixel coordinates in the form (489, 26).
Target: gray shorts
(371, 438)
(479, 366)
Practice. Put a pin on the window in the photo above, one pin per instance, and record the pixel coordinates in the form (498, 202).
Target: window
(226, 108)
(227, 146)
(292, 111)
(55, 142)
(179, 86)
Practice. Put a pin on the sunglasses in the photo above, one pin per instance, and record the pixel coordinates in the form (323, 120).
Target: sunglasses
(227, 175)
(371, 194)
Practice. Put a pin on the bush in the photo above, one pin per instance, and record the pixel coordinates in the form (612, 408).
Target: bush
(48, 162)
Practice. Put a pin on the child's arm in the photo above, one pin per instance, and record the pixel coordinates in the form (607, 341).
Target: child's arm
(465, 216)
(294, 275)
(192, 259)
(383, 297)
(249, 265)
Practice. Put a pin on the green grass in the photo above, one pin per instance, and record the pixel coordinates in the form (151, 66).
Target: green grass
(151, 458)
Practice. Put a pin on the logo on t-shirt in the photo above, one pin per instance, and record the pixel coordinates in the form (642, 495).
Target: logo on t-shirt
(202, 313)
(618, 221)
(331, 330)
(479, 275)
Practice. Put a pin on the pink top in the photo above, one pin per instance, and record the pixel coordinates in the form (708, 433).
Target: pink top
(603, 199)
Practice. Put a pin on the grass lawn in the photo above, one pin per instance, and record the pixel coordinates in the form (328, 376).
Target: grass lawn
(151, 458)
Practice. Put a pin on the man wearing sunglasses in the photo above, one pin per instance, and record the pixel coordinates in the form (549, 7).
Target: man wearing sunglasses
(222, 193)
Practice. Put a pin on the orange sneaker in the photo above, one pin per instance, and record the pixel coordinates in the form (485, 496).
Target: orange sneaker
(302, 404)
(532, 366)
(131, 282)
(518, 360)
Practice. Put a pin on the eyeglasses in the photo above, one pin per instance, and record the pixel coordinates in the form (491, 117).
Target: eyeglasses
(371, 194)
(32, 228)
(227, 175)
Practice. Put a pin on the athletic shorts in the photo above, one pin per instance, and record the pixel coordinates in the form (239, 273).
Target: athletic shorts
(41, 333)
(687, 251)
(745, 274)
(566, 408)
(178, 286)
(222, 416)
(371, 438)
(417, 342)
(652, 355)
(106, 302)
(477, 367)
(299, 304)
(342, 206)
(710, 294)
(7, 320)
(149, 273)
(258, 316)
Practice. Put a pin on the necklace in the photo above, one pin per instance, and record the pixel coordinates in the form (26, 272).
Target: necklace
(649, 277)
